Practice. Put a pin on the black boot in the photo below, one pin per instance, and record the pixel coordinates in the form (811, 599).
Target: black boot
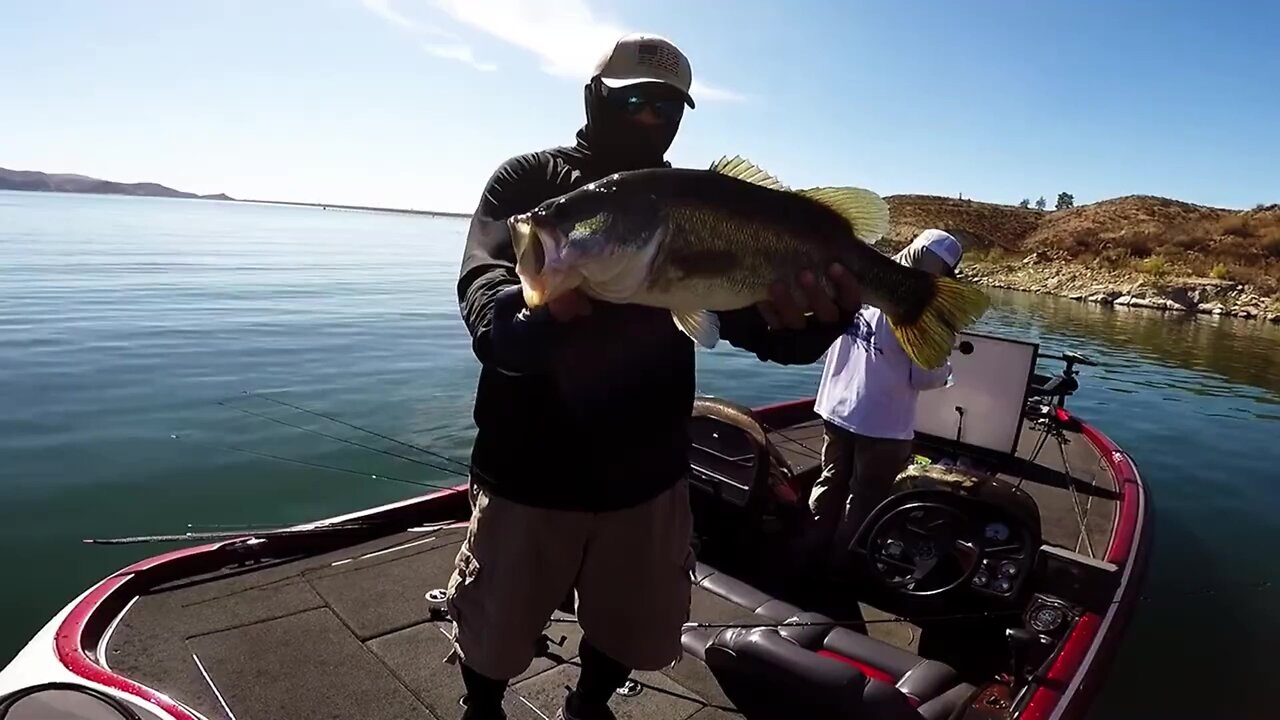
(601, 675)
(483, 700)
(575, 708)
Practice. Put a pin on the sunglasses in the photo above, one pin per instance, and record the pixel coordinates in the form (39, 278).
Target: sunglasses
(633, 101)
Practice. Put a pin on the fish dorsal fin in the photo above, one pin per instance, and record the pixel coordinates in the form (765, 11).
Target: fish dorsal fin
(867, 212)
(743, 169)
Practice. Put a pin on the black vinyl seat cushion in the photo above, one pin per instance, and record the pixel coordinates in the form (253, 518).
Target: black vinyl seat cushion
(816, 670)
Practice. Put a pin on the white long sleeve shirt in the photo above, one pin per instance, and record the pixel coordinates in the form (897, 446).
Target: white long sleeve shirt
(869, 385)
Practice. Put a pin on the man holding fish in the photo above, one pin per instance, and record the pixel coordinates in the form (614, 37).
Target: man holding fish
(589, 274)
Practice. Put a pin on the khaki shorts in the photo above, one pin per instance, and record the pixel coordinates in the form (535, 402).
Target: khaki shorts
(632, 569)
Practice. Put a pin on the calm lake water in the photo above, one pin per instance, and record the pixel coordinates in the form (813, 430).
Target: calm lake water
(124, 321)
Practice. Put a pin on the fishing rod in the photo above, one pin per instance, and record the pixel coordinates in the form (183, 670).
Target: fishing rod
(246, 531)
(308, 463)
(1253, 585)
(831, 623)
(330, 418)
(380, 451)
(222, 535)
(304, 529)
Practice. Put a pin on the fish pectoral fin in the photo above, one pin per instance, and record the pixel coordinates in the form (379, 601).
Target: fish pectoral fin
(867, 212)
(743, 169)
(701, 325)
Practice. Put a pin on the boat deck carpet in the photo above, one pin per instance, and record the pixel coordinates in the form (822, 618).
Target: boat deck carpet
(349, 634)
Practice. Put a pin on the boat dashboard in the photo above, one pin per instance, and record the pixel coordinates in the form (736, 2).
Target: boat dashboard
(1008, 551)
(951, 543)
(946, 531)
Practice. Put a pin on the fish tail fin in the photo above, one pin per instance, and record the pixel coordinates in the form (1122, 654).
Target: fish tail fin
(866, 212)
(929, 338)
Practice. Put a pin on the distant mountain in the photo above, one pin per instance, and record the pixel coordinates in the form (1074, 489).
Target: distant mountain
(46, 182)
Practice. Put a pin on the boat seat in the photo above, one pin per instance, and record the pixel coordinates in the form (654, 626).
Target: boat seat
(840, 672)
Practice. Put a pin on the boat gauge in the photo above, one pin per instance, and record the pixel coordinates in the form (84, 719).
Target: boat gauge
(1047, 618)
(981, 579)
(1002, 585)
(997, 531)
(1008, 569)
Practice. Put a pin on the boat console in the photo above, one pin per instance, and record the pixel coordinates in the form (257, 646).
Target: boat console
(958, 541)
(949, 530)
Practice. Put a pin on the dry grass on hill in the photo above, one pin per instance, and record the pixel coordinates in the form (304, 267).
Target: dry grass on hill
(1153, 235)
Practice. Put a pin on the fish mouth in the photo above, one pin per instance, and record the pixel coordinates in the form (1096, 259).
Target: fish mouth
(538, 257)
(547, 250)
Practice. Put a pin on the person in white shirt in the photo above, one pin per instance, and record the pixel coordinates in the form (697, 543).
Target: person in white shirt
(867, 400)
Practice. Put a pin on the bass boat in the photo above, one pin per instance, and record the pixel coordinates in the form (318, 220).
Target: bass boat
(995, 582)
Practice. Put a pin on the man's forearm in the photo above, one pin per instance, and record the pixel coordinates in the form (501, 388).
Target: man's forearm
(746, 329)
(505, 334)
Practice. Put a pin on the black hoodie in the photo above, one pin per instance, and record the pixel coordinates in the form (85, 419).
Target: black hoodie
(589, 414)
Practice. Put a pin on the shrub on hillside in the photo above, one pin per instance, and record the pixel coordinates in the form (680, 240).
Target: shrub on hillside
(1237, 225)
(1235, 248)
(1270, 243)
(1155, 266)
(1114, 257)
(1138, 244)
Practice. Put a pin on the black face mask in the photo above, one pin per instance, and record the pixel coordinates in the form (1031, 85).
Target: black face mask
(618, 142)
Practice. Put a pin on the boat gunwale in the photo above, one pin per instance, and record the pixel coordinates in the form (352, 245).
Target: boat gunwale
(1073, 677)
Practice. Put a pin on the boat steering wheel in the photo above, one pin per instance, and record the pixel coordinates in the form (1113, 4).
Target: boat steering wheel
(924, 548)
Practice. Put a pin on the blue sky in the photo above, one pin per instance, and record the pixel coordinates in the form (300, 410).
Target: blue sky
(412, 103)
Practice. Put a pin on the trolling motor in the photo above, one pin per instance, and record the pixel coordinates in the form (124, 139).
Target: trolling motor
(1059, 386)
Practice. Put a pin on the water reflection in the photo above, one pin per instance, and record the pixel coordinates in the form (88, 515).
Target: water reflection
(1207, 355)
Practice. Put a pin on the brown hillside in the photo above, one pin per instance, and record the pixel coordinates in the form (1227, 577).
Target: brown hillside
(1117, 222)
(978, 225)
(1155, 235)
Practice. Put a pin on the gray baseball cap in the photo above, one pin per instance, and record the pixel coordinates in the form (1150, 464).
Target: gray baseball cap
(642, 58)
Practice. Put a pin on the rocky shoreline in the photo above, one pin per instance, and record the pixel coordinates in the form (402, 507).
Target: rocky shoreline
(1101, 285)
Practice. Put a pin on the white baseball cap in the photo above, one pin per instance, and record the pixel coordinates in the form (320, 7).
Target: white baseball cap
(942, 244)
(643, 57)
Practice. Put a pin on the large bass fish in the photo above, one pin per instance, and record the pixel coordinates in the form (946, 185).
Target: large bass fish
(698, 241)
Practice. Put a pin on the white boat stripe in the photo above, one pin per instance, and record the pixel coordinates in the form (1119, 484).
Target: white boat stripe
(399, 547)
(209, 680)
(383, 552)
(106, 637)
